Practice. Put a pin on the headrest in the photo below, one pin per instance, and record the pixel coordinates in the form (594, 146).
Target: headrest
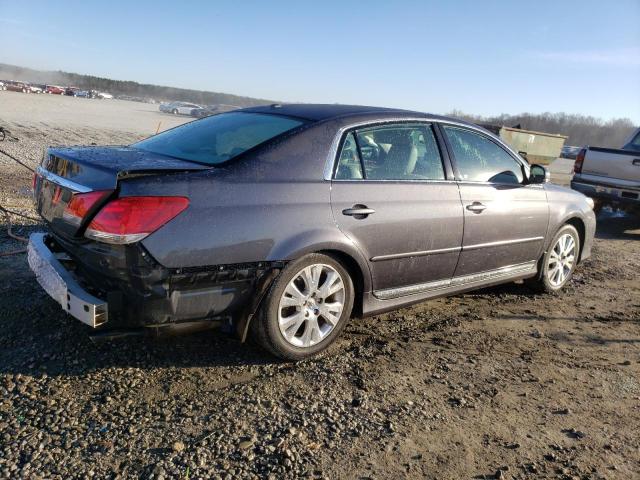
(392, 136)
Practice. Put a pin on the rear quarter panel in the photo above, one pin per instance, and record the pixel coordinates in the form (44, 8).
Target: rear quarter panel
(273, 205)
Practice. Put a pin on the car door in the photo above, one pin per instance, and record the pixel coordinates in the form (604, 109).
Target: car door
(505, 218)
(392, 197)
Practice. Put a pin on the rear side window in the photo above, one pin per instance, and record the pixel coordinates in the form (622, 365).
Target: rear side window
(219, 138)
(391, 152)
(480, 160)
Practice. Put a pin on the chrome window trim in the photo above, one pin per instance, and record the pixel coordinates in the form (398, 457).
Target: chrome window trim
(520, 268)
(332, 157)
(63, 182)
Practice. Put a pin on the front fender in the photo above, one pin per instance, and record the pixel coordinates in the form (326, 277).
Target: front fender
(566, 204)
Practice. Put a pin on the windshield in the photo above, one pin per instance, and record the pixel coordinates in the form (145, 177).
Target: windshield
(219, 138)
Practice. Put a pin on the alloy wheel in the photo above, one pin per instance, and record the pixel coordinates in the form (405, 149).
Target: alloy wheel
(561, 260)
(311, 305)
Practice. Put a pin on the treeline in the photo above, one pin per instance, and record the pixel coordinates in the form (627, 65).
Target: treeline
(581, 129)
(124, 87)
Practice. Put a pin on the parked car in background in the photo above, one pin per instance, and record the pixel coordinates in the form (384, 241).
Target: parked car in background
(633, 142)
(286, 220)
(81, 93)
(570, 152)
(55, 90)
(34, 88)
(104, 96)
(17, 87)
(178, 108)
(204, 111)
(610, 176)
(71, 91)
(167, 107)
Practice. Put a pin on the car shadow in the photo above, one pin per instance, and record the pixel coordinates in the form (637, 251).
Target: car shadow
(38, 338)
(617, 225)
(512, 288)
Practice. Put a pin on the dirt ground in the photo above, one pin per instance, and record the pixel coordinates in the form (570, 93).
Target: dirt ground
(499, 383)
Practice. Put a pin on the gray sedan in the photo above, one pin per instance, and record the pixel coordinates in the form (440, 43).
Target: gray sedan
(178, 108)
(285, 221)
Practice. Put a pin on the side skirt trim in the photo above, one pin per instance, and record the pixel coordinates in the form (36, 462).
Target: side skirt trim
(510, 270)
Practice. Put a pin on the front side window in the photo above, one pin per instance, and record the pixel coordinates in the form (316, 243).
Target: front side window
(219, 138)
(480, 160)
(391, 152)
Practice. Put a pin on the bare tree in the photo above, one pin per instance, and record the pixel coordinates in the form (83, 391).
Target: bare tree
(581, 129)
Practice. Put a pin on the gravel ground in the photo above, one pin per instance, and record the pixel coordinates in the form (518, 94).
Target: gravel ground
(499, 383)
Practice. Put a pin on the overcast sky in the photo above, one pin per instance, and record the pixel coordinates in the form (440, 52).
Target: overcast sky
(485, 58)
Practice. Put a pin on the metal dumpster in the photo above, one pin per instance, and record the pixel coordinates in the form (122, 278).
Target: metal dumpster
(537, 147)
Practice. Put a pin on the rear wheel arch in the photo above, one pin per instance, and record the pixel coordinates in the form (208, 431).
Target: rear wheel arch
(352, 262)
(327, 242)
(357, 277)
(266, 327)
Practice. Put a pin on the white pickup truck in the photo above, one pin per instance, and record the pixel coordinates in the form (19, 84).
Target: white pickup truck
(610, 176)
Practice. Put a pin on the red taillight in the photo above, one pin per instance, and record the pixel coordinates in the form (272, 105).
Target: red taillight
(35, 179)
(130, 219)
(577, 166)
(81, 204)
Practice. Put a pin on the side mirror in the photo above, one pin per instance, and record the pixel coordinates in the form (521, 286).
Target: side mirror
(539, 174)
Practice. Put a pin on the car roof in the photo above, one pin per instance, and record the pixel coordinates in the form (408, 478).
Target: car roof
(320, 112)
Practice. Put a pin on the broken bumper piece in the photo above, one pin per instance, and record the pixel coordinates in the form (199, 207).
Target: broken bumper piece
(62, 286)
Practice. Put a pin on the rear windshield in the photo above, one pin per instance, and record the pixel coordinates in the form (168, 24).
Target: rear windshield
(219, 138)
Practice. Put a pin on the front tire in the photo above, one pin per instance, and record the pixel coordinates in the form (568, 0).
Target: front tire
(175, 111)
(306, 309)
(559, 262)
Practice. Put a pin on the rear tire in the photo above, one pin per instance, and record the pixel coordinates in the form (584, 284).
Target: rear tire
(306, 309)
(559, 262)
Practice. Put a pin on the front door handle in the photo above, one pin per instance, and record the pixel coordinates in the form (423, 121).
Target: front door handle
(358, 211)
(476, 207)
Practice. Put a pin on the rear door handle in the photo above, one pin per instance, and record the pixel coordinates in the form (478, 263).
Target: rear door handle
(358, 211)
(476, 207)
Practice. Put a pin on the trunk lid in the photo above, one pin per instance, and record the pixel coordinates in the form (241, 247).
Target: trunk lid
(68, 172)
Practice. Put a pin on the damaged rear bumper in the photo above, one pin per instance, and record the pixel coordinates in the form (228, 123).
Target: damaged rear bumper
(114, 287)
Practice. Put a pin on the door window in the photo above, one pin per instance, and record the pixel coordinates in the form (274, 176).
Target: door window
(480, 160)
(397, 152)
